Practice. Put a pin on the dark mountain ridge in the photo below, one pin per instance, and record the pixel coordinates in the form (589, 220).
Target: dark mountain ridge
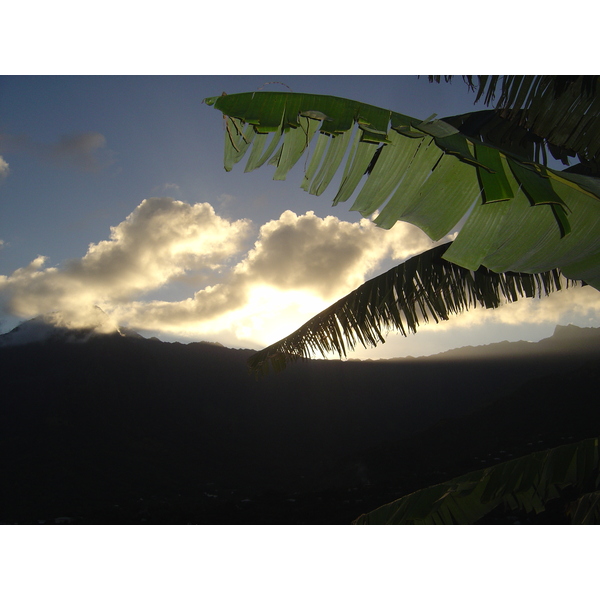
(87, 426)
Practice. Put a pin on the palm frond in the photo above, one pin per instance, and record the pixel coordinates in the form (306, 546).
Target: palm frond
(525, 483)
(423, 288)
(520, 216)
(561, 109)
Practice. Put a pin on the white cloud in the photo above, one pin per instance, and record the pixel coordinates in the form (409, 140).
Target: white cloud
(297, 266)
(160, 240)
(326, 256)
(4, 170)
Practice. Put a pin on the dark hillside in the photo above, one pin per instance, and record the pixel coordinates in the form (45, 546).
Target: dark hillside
(543, 413)
(123, 429)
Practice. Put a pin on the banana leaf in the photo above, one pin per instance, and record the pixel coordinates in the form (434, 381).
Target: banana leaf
(520, 216)
(525, 228)
(527, 483)
(423, 288)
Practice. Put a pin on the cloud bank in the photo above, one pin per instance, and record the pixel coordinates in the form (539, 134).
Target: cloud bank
(159, 241)
(297, 266)
(252, 287)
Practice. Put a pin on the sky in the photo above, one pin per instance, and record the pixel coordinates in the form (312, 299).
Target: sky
(79, 156)
(113, 194)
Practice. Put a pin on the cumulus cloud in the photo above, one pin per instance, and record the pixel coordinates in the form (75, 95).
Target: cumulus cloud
(326, 256)
(160, 240)
(85, 151)
(247, 293)
(298, 265)
(4, 170)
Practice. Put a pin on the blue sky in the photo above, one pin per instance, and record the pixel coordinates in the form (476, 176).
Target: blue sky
(113, 193)
(160, 141)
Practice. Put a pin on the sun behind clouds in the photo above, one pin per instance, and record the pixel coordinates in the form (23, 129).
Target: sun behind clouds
(250, 292)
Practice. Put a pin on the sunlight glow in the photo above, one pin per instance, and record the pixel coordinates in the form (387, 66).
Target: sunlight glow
(268, 315)
(271, 314)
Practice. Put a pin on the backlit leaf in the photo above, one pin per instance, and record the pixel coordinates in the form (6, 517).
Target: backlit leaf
(411, 177)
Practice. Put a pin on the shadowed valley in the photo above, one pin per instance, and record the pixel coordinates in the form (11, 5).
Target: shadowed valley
(121, 429)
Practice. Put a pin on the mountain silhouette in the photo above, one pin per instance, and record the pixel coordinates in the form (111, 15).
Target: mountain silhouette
(58, 327)
(116, 428)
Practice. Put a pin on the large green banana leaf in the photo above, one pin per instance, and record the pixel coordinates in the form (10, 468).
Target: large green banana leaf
(422, 288)
(519, 216)
(526, 483)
